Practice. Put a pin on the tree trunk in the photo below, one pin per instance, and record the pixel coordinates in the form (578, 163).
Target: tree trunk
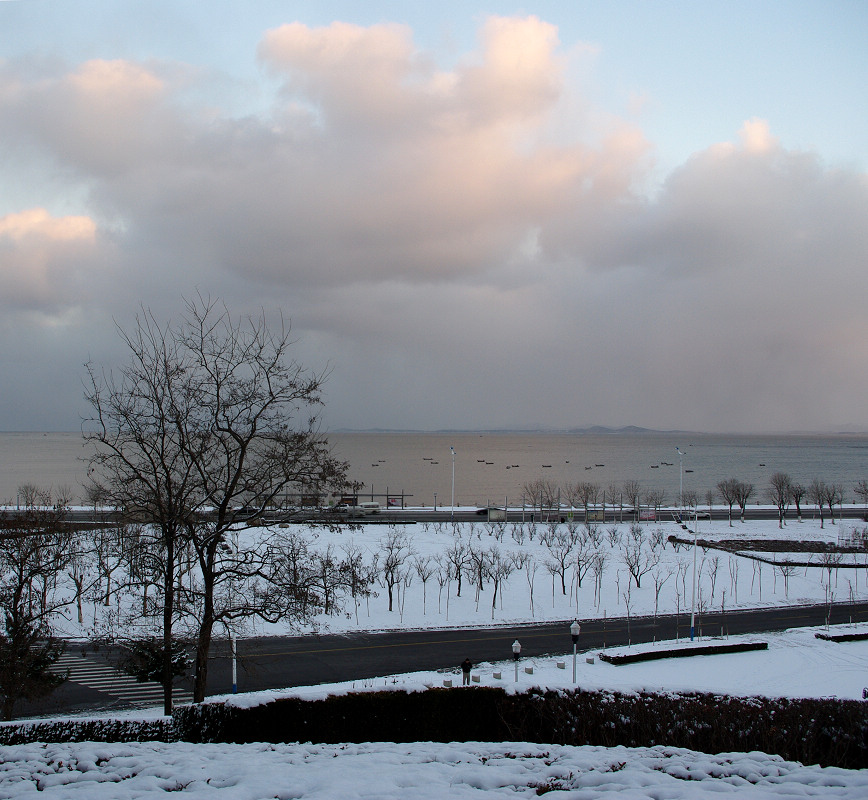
(168, 614)
(206, 628)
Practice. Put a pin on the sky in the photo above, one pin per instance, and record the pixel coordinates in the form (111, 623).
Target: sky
(475, 215)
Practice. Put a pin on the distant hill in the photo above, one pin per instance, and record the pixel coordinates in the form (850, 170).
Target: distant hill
(597, 430)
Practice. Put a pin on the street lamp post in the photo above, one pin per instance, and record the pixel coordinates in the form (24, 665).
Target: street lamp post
(681, 517)
(435, 501)
(452, 514)
(516, 652)
(693, 592)
(575, 630)
(232, 642)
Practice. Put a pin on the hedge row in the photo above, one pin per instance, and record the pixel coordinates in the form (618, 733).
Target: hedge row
(827, 732)
(89, 730)
(700, 650)
(842, 637)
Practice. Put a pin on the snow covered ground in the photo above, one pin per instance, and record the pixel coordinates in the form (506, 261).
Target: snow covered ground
(529, 589)
(796, 665)
(420, 770)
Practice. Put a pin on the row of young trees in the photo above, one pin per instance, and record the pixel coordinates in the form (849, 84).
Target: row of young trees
(784, 491)
(549, 497)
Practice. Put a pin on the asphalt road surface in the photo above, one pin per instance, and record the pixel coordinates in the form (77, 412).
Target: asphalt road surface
(266, 663)
(277, 662)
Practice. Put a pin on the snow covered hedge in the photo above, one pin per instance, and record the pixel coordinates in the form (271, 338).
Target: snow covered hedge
(827, 732)
(699, 650)
(160, 729)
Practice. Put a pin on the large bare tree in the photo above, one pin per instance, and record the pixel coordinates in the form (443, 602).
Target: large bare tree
(209, 423)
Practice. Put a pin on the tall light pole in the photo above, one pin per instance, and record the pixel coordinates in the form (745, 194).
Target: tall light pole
(516, 652)
(234, 646)
(452, 514)
(693, 592)
(681, 517)
(575, 630)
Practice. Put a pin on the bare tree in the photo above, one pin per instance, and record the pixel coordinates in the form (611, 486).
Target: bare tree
(599, 562)
(861, 489)
(560, 547)
(500, 567)
(786, 571)
(530, 569)
(140, 463)
(727, 491)
(709, 499)
(477, 569)
(424, 569)
(612, 495)
(532, 494)
(639, 559)
(587, 494)
(456, 556)
(834, 496)
(733, 576)
(797, 494)
(394, 551)
(743, 492)
(713, 568)
(202, 422)
(541, 494)
(780, 492)
(632, 490)
(817, 495)
(691, 499)
(357, 574)
(654, 498)
(660, 576)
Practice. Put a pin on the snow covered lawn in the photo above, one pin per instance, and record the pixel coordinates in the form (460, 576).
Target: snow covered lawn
(795, 665)
(418, 770)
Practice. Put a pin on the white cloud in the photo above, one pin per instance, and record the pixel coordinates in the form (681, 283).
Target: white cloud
(44, 259)
(482, 227)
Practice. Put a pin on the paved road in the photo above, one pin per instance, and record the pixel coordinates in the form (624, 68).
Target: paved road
(275, 662)
(266, 663)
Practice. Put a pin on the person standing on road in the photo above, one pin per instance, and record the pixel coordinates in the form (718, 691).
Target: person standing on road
(466, 666)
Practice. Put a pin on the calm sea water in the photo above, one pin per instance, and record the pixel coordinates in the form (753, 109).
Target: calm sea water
(492, 468)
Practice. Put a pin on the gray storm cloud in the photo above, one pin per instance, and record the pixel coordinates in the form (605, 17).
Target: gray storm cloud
(466, 247)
